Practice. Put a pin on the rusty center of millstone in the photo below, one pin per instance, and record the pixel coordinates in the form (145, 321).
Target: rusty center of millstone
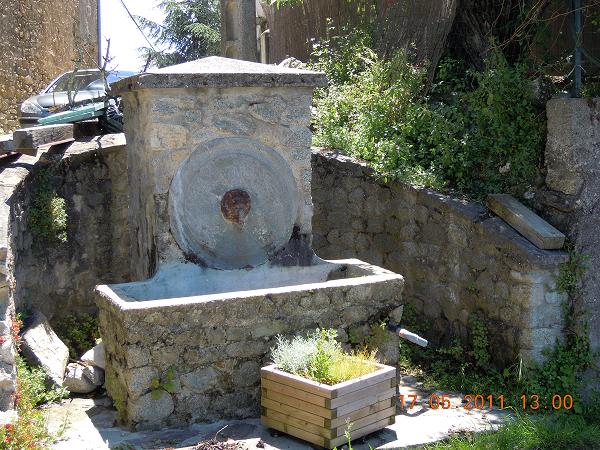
(235, 206)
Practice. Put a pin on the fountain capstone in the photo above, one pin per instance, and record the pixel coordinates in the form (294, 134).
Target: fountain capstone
(219, 167)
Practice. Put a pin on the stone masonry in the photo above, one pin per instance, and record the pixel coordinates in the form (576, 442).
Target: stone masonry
(457, 260)
(570, 199)
(58, 278)
(169, 124)
(220, 188)
(39, 40)
(215, 348)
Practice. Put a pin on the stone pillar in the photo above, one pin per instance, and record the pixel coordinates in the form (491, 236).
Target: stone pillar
(571, 197)
(238, 29)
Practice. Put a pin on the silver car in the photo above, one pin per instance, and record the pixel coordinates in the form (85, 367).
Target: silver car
(84, 84)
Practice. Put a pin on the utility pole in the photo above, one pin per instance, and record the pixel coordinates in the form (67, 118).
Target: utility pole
(99, 31)
(577, 29)
(238, 29)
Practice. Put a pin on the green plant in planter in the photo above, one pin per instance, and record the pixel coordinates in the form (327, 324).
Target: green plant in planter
(321, 358)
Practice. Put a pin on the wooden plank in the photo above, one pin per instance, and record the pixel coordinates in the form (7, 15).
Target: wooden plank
(299, 423)
(386, 372)
(294, 412)
(293, 431)
(368, 420)
(367, 392)
(354, 406)
(362, 412)
(526, 222)
(274, 374)
(360, 432)
(296, 403)
(28, 140)
(294, 392)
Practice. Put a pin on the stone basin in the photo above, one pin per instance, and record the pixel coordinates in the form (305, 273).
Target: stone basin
(193, 283)
(213, 329)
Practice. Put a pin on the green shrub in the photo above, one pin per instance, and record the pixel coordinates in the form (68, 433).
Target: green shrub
(32, 389)
(490, 138)
(321, 358)
(524, 432)
(483, 133)
(30, 431)
(79, 333)
(375, 115)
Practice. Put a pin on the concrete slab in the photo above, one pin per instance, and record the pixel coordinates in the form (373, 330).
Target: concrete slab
(89, 424)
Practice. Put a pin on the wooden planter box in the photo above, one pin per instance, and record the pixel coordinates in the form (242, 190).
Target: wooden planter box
(318, 413)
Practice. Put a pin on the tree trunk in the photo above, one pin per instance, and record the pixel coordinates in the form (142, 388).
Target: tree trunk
(479, 23)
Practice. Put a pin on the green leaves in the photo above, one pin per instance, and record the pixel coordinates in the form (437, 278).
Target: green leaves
(282, 3)
(158, 387)
(483, 133)
(190, 31)
(47, 215)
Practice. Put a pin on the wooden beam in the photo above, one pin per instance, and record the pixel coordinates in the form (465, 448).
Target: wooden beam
(525, 221)
(28, 140)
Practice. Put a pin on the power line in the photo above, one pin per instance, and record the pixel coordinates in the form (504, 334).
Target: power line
(137, 25)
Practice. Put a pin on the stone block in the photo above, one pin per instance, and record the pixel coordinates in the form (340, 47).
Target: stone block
(567, 143)
(76, 381)
(42, 347)
(526, 222)
(148, 411)
(95, 356)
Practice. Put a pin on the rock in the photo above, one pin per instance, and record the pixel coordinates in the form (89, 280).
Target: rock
(396, 314)
(76, 380)
(95, 356)
(94, 374)
(150, 410)
(42, 347)
(292, 63)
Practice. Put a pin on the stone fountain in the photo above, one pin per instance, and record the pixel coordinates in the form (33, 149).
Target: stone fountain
(220, 214)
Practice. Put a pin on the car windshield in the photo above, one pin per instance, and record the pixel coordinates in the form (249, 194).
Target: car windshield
(85, 81)
(77, 81)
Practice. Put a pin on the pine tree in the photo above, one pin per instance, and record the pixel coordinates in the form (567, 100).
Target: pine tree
(190, 31)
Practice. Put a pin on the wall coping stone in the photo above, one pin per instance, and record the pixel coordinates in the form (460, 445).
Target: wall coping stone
(216, 71)
(499, 232)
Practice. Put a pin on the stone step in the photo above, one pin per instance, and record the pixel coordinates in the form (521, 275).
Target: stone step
(525, 221)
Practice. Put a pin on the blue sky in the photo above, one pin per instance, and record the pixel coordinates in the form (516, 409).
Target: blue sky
(124, 36)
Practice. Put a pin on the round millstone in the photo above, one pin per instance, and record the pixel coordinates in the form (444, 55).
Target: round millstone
(233, 203)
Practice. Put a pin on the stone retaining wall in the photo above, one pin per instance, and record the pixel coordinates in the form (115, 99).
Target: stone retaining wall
(456, 258)
(57, 278)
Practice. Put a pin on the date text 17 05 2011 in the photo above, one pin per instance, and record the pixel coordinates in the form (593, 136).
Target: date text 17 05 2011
(478, 401)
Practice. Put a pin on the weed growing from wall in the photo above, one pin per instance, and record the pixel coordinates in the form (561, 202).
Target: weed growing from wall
(564, 370)
(166, 384)
(47, 215)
